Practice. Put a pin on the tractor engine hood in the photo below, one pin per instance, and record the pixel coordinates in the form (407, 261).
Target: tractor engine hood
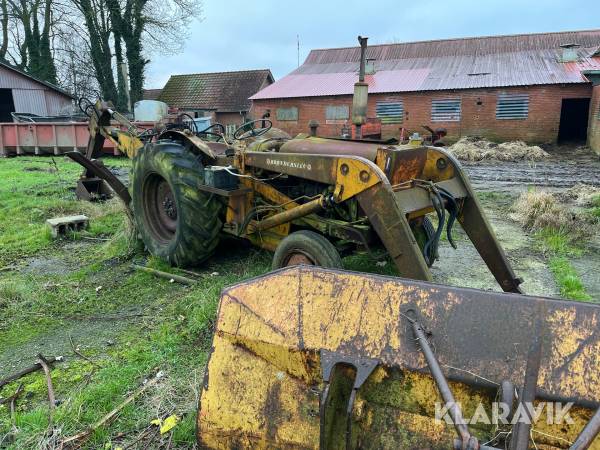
(323, 146)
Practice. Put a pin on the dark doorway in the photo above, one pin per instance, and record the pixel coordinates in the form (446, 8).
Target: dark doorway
(574, 116)
(6, 105)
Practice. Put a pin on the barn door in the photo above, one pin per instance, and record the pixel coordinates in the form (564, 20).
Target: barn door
(6, 105)
(574, 116)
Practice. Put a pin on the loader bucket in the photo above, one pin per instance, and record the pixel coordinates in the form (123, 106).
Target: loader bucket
(308, 358)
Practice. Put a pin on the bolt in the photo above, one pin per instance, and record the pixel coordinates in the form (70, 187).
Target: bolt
(441, 163)
(344, 169)
(170, 208)
(364, 176)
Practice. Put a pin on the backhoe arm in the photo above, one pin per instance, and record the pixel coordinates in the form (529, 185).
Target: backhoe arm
(96, 178)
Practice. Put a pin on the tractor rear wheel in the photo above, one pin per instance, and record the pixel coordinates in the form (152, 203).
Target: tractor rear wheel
(306, 247)
(177, 222)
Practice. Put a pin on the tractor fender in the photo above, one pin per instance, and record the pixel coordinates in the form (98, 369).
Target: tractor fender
(195, 143)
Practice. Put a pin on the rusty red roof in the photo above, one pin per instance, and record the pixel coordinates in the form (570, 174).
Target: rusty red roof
(151, 94)
(220, 91)
(494, 61)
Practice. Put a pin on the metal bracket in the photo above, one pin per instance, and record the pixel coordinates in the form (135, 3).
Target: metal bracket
(329, 361)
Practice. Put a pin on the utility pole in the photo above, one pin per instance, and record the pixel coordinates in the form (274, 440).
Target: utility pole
(125, 75)
(298, 46)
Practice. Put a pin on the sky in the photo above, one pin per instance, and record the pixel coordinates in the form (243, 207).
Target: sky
(259, 34)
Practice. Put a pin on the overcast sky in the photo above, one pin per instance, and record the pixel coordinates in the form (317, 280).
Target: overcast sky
(257, 34)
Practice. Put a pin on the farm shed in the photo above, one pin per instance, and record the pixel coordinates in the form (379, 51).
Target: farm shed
(534, 87)
(22, 93)
(223, 96)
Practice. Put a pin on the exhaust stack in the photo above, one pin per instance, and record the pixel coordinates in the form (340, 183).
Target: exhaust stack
(361, 91)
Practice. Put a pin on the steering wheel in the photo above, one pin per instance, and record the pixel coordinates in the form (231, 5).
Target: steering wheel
(193, 127)
(86, 106)
(218, 134)
(243, 132)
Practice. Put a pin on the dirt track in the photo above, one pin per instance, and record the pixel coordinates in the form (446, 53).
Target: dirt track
(566, 166)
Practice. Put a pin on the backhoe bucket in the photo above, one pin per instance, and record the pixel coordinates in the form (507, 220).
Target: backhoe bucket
(312, 358)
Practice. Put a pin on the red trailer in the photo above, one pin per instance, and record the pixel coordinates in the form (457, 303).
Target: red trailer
(50, 138)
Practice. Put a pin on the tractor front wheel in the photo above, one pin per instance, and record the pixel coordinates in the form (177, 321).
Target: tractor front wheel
(306, 247)
(424, 233)
(177, 222)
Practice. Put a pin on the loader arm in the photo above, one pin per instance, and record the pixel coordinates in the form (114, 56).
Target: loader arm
(389, 207)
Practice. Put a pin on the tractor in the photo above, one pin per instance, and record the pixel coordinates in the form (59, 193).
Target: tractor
(310, 200)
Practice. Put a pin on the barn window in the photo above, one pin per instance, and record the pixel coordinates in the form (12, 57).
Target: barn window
(335, 114)
(284, 114)
(512, 106)
(446, 110)
(230, 129)
(390, 112)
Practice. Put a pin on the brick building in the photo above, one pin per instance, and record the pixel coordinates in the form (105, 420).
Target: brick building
(221, 95)
(536, 87)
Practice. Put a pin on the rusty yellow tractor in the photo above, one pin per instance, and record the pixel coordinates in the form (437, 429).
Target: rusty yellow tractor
(311, 357)
(310, 200)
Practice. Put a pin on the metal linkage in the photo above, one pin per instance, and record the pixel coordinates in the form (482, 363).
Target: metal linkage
(521, 430)
(588, 434)
(465, 441)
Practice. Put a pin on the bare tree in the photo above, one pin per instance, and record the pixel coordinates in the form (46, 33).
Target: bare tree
(140, 21)
(34, 18)
(4, 26)
(83, 45)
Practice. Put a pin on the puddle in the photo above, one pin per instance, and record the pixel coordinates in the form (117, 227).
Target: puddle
(46, 266)
(86, 333)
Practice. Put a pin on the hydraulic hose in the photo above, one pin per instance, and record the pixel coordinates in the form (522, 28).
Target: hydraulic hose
(452, 208)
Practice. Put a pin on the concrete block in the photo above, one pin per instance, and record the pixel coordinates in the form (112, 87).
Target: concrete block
(60, 226)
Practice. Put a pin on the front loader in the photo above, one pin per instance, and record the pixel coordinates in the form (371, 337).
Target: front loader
(356, 361)
(310, 200)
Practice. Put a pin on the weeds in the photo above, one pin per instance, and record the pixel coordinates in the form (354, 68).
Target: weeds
(568, 280)
(538, 210)
(559, 231)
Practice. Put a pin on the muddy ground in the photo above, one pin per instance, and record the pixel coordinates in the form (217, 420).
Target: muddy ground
(567, 166)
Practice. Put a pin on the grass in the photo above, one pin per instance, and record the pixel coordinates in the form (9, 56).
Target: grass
(559, 246)
(568, 279)
(129, 323)
(595, 208)
(558, 232)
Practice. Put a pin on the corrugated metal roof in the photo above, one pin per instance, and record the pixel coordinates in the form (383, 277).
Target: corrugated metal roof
(221, 91)
(497, 61)
(24, 75)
